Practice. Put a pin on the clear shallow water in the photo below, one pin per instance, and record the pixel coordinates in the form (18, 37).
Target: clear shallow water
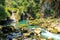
(44, 33)
(23, 22)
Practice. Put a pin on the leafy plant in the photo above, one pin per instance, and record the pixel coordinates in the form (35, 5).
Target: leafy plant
(3, 14)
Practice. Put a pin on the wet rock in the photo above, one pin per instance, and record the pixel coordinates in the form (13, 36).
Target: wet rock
(13, 35)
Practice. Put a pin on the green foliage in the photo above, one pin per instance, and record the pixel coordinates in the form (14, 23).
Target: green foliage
(30, 6)
(10, 9)
(2, 2)
(34, 22)
(37, 15)
(3, 14)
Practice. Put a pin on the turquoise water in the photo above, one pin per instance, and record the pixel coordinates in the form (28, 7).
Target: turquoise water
(28, 26)
(23, 22)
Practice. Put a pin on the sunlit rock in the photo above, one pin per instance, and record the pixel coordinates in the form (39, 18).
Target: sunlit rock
(53, 30)
(58, 29)
(50, 38)
(43, 39)
(56, 25)
(0, 27)
(26, 34)
(14, 39)
(37, 31)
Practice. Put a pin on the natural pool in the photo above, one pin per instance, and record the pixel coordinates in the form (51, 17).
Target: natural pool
(44, 33)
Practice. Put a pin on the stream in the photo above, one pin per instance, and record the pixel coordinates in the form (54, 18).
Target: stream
(44, 33)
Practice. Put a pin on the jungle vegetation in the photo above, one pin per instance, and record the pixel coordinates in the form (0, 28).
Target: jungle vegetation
(36, 8)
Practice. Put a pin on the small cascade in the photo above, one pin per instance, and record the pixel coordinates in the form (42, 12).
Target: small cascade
(13, 17)
(12, 14)
(14, 20)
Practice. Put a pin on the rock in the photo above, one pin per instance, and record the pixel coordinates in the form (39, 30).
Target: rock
(53, 30)
(28, 39)
(24, 30)
(1, 27)
(13, 35)
(58, 29)
(34, 39)
(26, 34)
(43, 39)
(50, 38)
(37, 30)
(14, 39)
(31, 33)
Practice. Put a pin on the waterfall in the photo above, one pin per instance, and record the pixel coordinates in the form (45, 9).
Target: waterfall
(14, 20)
(12, 14)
